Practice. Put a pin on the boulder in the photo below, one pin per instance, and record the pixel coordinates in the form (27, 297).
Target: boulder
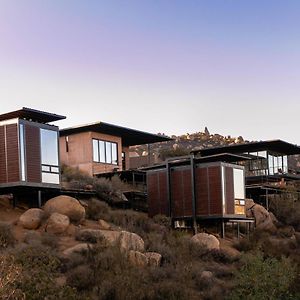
(32, 218)
(79, 248)
(137, 258)
(263, 219)
(104, 225)
(57, 223)
(131, 241)
(206, 240)
(65, 205)
(93, 235)
(32, 237)
(154, 259)
(206, 275)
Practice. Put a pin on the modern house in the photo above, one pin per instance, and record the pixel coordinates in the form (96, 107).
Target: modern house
(191, 190)
(101, 147)
(266, 165)
(29, 153)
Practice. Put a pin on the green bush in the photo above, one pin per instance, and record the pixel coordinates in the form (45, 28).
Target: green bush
(263, 278)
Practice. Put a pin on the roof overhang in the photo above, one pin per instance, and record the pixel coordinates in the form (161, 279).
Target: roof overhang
(130, 137)
(277, 146)
(32, 115)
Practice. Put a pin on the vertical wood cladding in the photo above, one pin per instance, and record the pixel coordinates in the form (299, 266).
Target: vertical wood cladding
(202, 191)
(208, 191)
(33, 154)
(229, 190)
(157, 193)
(12, 150)
(215, 190)
(181, 191)
(3, 175)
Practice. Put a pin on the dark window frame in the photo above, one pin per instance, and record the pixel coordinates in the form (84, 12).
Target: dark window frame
(105, 142)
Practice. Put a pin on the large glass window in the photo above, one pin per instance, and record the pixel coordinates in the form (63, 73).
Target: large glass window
(49, 155)
(278, 164)
(239, 184)
(105, 152)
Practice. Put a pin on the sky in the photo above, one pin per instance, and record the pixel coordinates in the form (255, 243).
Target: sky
(164, 66)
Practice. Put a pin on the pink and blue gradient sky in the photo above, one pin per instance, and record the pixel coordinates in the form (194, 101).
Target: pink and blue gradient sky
(156, 65)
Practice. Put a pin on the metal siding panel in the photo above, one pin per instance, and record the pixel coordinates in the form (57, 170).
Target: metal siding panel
(163, 193)
(13, 168)
(33, 153)
(153, 192)
(3, 175)
(215, 190)
(177, 193)
(229, 190)
(202, 193)
(187, 192)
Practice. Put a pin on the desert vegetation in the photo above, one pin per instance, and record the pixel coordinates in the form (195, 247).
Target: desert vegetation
(107, 253)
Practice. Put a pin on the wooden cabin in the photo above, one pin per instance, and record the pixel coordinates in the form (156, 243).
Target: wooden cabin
(101, 147)
(194, 189)
(29, 154)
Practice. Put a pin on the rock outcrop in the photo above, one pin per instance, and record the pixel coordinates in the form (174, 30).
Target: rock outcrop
(131, 241)
(205, 240)
(154, 259)
(32, 218)
(65, 205)
(263, 219)
(137, 258)
(94, 235)
(57, 223)
(79, 248)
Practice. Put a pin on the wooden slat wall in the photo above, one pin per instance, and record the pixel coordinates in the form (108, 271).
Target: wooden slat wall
(33, 154)
(202, 192)
(177, 193)
(3, 175)
(157, 193)
(13, 167)
(229, 190)
(215, 190)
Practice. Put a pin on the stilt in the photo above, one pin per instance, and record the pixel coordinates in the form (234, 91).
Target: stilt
(222, 229)
(238, 230)
(39, 198)
(15, 200)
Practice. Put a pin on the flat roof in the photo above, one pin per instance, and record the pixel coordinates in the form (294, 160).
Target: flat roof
(32, 114)
(278, 146)
(185, 160)
(130, 137)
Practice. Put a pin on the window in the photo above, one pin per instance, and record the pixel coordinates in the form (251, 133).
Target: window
(239, 184)
(105, 152)
(49, 155)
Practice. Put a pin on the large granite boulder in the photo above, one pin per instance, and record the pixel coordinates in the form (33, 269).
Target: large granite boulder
(65, 205)
(263, 219)
(154, 259)
(57, 223)
(79, 248)
(94, 235)
(131, 241)
(32, 218)
(207, 241)
(137, 258)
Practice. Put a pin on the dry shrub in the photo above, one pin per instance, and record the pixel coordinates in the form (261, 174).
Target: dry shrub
(286, 207)
(10, 274)
(6, 236)
(81, 278)
(97, 209)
